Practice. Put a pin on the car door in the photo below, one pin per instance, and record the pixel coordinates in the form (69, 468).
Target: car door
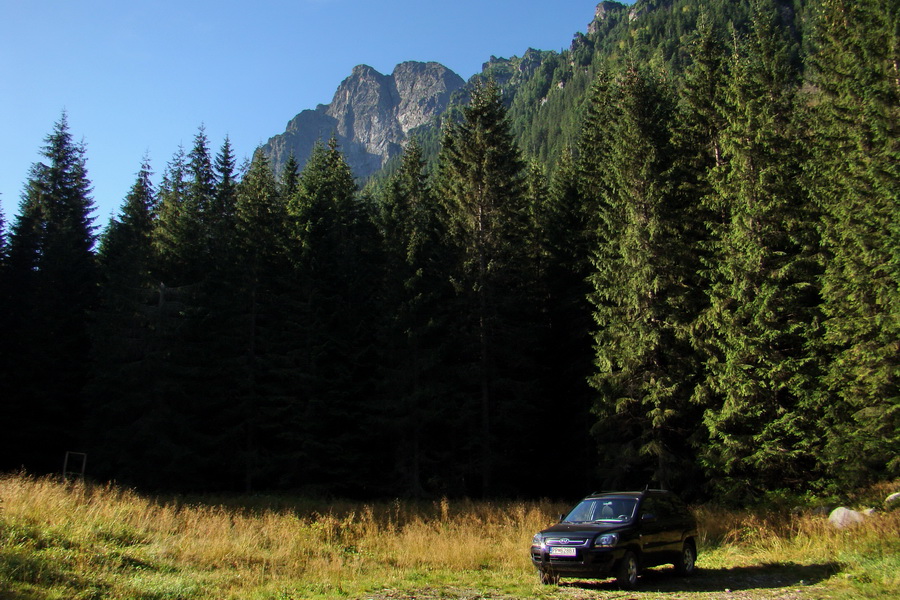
(670, 528)
(652, 539)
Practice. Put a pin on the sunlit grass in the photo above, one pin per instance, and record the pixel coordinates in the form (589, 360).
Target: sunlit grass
(74, 541)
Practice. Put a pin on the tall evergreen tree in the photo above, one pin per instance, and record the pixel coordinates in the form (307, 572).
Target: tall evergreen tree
(337, 270)
(702, 115)
(253, 326)
(854, 176)
(226, 183)
(567, 234)
(221, 214)
(52, 268)
(415, 303)
(125, 247)
(481, 186)
(290, 176)
(641, 285)
(763, 291)
(172, 229)
(201, 188)
(200, 206)
(190, 312)
(126, 422)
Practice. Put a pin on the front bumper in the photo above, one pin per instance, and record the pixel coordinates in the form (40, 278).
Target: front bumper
(588, 562)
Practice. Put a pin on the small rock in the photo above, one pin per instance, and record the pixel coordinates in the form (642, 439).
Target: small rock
(892, 500)
(842, 517)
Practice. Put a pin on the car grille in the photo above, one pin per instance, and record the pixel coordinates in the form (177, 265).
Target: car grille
(564, 541)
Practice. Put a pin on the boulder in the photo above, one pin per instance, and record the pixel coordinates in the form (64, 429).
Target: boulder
(843, 517)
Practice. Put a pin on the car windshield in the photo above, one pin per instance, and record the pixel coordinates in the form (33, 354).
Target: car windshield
(602, 509)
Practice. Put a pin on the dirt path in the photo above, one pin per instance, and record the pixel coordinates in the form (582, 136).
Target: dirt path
(770, 582)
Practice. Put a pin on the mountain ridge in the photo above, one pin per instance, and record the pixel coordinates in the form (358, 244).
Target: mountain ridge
(371, 115)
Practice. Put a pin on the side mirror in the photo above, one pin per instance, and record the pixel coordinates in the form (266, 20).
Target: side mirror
(562, 517)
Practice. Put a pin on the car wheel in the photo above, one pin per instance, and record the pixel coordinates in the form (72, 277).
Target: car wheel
(627, 571)
(687, 563)
(548, 577)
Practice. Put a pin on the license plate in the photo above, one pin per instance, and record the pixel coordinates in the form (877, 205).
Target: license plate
(561, 551)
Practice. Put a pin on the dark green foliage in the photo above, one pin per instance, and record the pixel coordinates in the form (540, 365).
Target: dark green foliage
(641, 284)
(125, 247)
(51, 277)
(260, 285)
(413, 342)
(481, 188)
(173, 226)
(222, 209)
(337, 266)
(127, 351)
(290, 177)
(854, 174)
(763, 281)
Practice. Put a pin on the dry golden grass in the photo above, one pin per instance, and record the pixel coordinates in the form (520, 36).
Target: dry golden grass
(76, 541)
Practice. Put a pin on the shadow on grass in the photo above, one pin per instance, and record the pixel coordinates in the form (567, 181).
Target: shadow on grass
(767, 576)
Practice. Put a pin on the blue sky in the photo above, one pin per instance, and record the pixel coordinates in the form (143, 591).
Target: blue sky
(139, 78)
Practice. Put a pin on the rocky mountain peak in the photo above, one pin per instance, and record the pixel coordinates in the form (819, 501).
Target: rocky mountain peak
(371, 115)
(602, 13)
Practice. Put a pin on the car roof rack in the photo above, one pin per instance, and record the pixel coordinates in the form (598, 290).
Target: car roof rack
(646, 489)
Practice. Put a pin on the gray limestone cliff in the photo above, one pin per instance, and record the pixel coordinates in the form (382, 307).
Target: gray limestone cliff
(371, 115)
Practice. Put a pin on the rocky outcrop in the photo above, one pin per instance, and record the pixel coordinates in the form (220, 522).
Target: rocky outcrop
(604, 9)
(371, 115)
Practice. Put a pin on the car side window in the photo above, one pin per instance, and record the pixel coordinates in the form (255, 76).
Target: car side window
(649, 507)
(665, 508)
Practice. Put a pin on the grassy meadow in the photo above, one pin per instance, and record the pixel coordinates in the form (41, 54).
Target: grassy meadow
(74, 541)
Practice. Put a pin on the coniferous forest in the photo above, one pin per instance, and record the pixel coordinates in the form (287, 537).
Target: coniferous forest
(683, 271)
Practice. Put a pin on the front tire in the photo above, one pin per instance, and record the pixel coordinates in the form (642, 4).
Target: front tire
(627, 571)
(548, 577)
(687, 562)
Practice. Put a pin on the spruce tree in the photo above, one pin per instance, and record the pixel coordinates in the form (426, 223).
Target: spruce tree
(415, 300)
(481, 187)
(261, 323)
(702, 118)
(226, 182)
(641, 285)
(200, 207)
(172, 227)
(290, 175)
(126, 422)
(337, 271)
(221, 212)
(53, 270)
(763, 289)
(191, 311)
(853, 173)
(125, 249)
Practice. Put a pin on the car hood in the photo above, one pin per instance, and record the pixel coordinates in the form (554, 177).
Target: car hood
(584, 528)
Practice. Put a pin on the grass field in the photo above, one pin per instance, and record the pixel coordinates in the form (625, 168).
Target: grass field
(72, 541)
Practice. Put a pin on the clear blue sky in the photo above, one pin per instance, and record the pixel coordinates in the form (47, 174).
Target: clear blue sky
(139, 78)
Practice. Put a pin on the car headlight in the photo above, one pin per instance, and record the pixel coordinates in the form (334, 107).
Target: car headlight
(537, 540)
(607, 540)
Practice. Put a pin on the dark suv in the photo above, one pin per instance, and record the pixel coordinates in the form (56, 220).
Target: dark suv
(618, 534)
